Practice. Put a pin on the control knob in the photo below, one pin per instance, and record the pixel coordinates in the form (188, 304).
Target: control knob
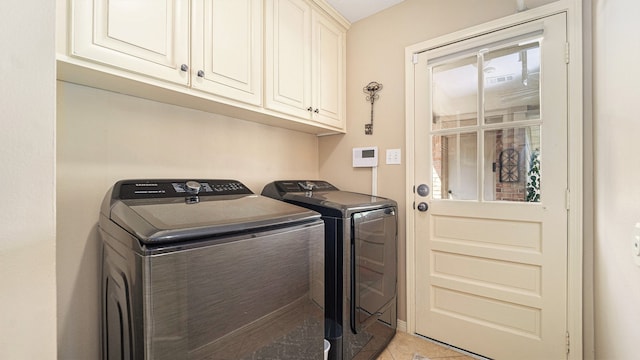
(192, 187)
(307, 185)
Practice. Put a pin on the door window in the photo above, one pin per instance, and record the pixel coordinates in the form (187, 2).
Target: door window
(501, 86)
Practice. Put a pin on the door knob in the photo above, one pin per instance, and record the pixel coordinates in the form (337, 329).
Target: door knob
(423, 190)
(423, 206)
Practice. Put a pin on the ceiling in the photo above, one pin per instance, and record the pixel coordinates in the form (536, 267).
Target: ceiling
(354, 10)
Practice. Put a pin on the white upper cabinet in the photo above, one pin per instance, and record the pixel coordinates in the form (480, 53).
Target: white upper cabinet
(277, 62)
(305, 60)
(288, 57)
(328, 71)
(227, 48)
(149, 37)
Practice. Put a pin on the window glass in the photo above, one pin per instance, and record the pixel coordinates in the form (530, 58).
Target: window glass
(512, 164)
(512, 84)
(455, 94)
(455, 161)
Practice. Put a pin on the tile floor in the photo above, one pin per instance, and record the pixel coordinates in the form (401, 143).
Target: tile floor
(410, 347)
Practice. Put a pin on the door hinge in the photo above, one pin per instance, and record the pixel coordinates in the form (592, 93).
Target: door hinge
(414, 59)
(567, 199)
(568, 342)
(566, 53)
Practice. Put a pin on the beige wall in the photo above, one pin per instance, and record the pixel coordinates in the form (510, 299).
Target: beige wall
(617, 168)
(104, 137)
(27, 181)
(375, 52)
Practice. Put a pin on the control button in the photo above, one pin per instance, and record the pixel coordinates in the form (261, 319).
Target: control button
(205, 187)
(179, 188)
(227, 187)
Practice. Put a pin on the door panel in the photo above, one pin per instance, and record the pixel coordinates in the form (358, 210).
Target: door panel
(327, 67)
(288, 57)
(227, 48)
(491, 251)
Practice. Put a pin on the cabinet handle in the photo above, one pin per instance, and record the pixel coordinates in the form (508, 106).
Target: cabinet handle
(317, 111)
(200, 73)
(184, 67)
(309, 109)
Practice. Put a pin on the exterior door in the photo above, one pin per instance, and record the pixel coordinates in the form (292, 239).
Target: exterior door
(491, 233)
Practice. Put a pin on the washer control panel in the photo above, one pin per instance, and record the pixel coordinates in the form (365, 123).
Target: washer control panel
(150, 189)
(304, 185)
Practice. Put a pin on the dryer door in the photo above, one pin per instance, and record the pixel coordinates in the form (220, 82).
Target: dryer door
(373, 265)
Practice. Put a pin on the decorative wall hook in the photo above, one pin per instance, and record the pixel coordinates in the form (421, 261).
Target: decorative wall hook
(372, 90)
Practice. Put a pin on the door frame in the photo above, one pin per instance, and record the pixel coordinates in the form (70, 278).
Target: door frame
(574, 197)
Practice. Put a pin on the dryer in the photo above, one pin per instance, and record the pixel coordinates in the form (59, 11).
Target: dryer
(360, 264)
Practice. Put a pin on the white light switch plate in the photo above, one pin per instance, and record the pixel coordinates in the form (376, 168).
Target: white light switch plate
(394, 157)
(636, 244)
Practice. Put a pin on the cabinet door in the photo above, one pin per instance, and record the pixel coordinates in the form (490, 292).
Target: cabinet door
(227, 48)
(288, 53)
(149, 37)
(328, 73)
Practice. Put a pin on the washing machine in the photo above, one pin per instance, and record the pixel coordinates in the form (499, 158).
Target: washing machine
(360, 264)
(206, 269)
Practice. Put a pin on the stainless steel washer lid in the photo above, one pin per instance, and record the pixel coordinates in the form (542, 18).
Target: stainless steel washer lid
(159, 215)
(343, 201)
(324, 197)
